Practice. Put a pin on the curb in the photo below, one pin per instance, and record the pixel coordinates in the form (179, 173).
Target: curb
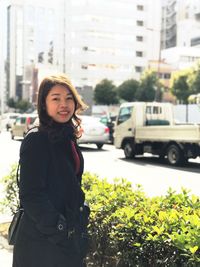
(4, 244)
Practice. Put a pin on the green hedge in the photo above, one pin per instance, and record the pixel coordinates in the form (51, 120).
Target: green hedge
(130, 229)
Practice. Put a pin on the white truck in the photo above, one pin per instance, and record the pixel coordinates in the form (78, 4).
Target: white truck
(149, 127)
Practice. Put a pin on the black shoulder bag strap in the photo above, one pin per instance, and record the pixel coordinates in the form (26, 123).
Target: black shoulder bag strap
(14, 225)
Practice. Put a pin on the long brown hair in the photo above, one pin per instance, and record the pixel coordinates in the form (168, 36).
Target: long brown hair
(47, 83)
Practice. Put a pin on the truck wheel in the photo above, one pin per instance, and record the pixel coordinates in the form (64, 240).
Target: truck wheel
(129, 150)
(174, 155)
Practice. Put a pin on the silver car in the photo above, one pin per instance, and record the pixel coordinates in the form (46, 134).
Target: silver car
(93, 132)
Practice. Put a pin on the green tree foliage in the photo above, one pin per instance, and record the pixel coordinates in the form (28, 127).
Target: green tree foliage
(11, 103)
(149, 86)
(20, 105)
(105, 93)
(194, 81)
(180, 88)
(23, 105)
(128, 89)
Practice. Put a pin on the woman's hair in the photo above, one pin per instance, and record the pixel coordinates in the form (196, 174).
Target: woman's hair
(45, 121)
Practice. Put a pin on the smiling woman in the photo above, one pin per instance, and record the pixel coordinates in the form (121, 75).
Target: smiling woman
(60, 104)
(53, 231)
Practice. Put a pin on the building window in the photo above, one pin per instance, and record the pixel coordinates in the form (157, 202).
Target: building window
(140, 23)
(167, 75)
(84, 66)
(139, 54)
(138, 69)
(139, 38)
(140, 7)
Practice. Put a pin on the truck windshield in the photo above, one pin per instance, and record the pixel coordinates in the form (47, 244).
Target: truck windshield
(124, 114)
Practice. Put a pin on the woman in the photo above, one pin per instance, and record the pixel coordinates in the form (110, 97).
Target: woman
(53, 229)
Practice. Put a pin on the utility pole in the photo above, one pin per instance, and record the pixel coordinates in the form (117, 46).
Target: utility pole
(158, 31)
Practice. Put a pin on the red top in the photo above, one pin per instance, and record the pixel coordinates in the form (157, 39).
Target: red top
(76, 157)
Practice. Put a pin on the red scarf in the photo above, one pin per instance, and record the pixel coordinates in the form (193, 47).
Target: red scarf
(76, 157)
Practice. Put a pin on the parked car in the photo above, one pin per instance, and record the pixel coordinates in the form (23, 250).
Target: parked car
(22, 124)
(7, 120)
(93, 132)
(109, 121)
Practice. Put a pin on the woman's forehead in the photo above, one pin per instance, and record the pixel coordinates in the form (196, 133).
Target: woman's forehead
(60, 89)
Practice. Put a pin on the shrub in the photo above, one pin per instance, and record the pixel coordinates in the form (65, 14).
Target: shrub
(129, 229)
(10, 201)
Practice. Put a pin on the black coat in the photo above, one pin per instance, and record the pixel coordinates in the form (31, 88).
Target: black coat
(51, 195)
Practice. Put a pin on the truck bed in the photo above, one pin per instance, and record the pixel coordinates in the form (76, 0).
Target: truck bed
(182, 133)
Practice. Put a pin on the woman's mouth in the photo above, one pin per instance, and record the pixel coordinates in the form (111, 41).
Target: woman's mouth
(63, 113)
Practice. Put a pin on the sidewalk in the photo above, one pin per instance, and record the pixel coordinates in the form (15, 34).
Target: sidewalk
(5, 253)
(5, 249)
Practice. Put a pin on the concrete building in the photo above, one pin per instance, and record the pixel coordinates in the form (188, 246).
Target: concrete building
(181, 57)
(2, 56)
(169, 24)
(180, 38)
(33, 34)
(180, 23)
(88, 39)
(110, 39)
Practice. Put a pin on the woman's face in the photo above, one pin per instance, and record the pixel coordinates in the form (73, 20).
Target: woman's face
(60, 104)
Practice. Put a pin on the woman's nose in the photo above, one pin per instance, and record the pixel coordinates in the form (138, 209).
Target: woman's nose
(63, 102)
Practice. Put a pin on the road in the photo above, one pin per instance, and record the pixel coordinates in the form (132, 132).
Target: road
(155, 177)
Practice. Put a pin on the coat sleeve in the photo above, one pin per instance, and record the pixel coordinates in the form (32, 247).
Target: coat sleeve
(34, 160)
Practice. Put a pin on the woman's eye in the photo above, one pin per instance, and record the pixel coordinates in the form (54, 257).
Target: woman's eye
(55, 99)
(69, 98)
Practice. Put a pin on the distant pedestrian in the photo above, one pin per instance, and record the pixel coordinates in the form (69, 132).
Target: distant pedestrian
(53, 232)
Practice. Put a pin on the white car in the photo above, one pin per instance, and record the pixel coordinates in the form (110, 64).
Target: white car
(93, 132)
(7, 120)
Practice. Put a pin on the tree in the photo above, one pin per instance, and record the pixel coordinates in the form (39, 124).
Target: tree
(105, 93)
(148, 88)
(194, 80)
(23, 105)
(181, 85)
(11, 103)
(128, 89)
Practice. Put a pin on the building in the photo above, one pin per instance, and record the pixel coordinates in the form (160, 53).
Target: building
(110, 39)
(169, 24)
(88, 39)
(2, 56)
(180, 17)
(33, 34)
(181, 57)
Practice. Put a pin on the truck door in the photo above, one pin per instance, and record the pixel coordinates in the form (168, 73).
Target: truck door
(124, 125)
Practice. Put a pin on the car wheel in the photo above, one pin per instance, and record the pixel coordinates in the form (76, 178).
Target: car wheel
(129, 150)
(175, 156)
(12, 136)
(99, 146)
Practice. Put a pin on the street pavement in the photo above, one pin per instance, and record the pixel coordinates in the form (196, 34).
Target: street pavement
(5, 249)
